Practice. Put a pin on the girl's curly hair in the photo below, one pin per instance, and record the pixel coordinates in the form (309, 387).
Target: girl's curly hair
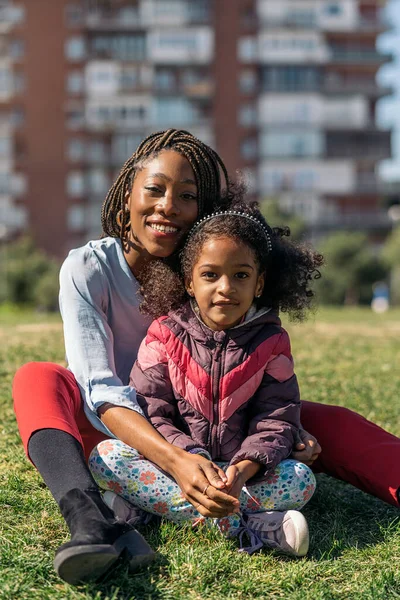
(289, 267)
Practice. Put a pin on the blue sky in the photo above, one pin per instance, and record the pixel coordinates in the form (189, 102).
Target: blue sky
(389, 108)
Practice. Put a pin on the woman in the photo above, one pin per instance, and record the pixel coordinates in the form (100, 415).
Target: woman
(170, 181)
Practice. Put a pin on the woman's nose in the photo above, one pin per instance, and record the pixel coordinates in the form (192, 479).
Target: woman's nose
(168, 204)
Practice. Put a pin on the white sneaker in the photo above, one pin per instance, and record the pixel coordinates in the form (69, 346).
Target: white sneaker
(285, 531)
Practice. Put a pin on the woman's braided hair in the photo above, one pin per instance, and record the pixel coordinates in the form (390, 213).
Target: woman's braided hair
(205, 162)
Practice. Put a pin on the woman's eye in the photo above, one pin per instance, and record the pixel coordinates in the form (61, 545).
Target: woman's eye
(189, 196)
(153, 188)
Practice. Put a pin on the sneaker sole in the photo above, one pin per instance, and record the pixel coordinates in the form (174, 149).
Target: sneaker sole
(88, 562)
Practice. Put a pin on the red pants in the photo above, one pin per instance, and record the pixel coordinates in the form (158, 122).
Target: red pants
(355, 450)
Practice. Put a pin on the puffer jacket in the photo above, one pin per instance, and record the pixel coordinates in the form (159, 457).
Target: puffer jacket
(233, 392)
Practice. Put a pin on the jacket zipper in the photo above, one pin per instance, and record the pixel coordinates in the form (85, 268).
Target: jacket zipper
(216, 373)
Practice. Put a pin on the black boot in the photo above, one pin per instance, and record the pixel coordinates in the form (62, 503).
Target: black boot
(97, 539)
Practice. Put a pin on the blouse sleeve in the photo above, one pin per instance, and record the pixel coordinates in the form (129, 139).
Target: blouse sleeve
(89, 341)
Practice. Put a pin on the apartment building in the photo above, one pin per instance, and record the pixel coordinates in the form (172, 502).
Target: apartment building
(284, 89)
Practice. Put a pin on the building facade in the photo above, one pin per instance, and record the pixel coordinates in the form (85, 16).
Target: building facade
(284, 89)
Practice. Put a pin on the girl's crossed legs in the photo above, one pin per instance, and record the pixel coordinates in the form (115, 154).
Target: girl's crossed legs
(120, 468)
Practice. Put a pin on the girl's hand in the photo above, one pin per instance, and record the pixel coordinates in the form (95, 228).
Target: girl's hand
(238, 475)
(202, 482)
(307, 448)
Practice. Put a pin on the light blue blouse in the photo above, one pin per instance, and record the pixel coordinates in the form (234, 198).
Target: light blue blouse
(103, 328)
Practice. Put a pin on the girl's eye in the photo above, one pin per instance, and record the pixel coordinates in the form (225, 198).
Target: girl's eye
(242, 275)
(208, 275)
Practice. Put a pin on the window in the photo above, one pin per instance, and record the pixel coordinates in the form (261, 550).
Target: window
(248, 115)
(19, 184)
(98, 182)
(75, 184)
(248, 148)
(17, 49)
(5, 147)
(76, 149)
(165, 79)
(5, 81)
(19, 83)
(76, 217)
(129, 47)
(75, 82)
(248, 49)
(248, 82)
(74, 15)
(333, 9)
(4, 182)
(12, 13)
(279, 144)
(17, 116)
(75, 118)
(75, 48)
(97, 151)
(174, 111)
(290, 78)
(198, 11)
(124, 145)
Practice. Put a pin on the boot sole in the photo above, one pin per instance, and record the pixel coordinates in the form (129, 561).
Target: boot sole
(302, 534)
(88, 562)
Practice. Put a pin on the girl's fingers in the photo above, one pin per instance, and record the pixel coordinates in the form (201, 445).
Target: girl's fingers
(215, 476)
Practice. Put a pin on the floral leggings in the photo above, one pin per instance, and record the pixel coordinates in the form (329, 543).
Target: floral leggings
(120, 468)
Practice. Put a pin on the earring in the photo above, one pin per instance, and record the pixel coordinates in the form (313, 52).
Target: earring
(258, 295)
(118, 219)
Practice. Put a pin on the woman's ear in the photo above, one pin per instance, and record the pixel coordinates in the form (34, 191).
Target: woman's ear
(260, 285)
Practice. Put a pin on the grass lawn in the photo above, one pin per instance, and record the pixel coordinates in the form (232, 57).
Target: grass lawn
(342, 357)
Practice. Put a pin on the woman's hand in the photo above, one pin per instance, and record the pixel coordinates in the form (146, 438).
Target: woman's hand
(202, 482)
(307, 448)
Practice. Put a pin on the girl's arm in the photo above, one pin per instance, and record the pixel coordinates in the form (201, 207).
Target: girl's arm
(274, 412)
(192, 472)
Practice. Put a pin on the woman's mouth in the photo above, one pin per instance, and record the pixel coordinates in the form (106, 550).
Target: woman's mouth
(163, 229)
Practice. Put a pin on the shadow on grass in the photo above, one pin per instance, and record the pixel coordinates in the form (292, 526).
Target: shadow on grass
(341, 517)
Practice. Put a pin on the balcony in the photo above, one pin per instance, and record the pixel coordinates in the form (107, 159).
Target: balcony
(359, 56)
(362, 145)
(356, 220)
(114, 19)
(354, 86)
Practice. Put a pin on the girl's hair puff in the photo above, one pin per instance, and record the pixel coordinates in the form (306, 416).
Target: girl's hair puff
(289, 267)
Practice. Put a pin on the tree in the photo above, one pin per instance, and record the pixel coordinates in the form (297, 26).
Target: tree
(391, 257)
(351, 270)
(277, 217)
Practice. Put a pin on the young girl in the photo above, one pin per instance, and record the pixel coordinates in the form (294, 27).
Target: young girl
(216, 377)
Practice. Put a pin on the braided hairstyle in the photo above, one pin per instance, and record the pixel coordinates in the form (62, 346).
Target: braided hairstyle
(205, 162)
(289, 267)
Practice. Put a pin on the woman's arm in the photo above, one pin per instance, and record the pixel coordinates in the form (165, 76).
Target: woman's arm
(193, 473)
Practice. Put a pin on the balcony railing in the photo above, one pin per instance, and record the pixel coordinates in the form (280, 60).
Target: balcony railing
(359, 56)
(362, 219)
(369, 88)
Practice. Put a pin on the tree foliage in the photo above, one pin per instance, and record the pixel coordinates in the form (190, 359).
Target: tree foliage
(28, 276)
(277, 217)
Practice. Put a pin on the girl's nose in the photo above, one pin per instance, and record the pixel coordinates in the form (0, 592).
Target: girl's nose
(225, 285)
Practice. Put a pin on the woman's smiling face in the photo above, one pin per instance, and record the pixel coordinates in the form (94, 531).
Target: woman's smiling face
(162, 206)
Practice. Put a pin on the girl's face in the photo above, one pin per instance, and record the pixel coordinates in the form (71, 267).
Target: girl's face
(162, 206)
(225, 281)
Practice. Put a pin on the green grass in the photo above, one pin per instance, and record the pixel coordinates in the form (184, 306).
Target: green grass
(347, 357)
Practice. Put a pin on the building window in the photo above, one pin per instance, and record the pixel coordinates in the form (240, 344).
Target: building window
(199, 11)
(75, 118)
(248, 49)
(333, 9)
(249, 149)
(75, 82)
(73, 15)
(19, 185)
(17, 116)
(5, 81)
(98, 182)
(124, 145)
(75, 149)
(75, 184)
(5, 147)
(130, 47)
(17, 49)
(76, 217)
(75, 48)
(277, 144)
(165, 79)
(4, 182)
(14, 14)
(174, 110)
(248, 116)
(248, 82)
(19, 83)
(97, 151)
